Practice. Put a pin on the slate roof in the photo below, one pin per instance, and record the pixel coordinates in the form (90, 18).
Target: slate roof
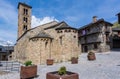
(33, 29)
(42, 35)
(60, 26)
(98, 21)
(23, 5)
(65, 26)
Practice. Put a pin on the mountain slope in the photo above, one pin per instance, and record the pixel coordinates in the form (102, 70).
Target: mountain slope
(116, 25)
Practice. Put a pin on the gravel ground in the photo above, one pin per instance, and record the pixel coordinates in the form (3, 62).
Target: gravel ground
(106, 66)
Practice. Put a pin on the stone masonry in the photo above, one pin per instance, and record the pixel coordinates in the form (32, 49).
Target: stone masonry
(53, 40)
(96, 36)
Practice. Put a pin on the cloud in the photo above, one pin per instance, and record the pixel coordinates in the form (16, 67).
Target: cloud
(6, 35)
(8, 22)
(8, 13)
(5, 43)
(39, 21)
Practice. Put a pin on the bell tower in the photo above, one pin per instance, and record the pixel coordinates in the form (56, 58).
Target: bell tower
(24, 18)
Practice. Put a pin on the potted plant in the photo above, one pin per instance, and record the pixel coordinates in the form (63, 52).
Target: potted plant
(91, 56)
(74, 60)
(28, 71)
(62, 74)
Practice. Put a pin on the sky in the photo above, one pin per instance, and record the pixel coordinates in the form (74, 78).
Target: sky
(76, 13)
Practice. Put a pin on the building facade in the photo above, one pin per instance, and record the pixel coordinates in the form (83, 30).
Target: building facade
(116, 34)
(54, 40)
(5, 52)
(95, 36)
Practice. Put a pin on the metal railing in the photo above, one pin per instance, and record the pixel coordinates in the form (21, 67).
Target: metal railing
(10, 66)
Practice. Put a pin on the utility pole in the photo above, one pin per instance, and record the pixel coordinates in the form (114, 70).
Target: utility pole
(8, 45)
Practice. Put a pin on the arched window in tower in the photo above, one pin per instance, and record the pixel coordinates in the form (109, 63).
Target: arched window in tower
(26, 20)
(24, 27)
(26, 11)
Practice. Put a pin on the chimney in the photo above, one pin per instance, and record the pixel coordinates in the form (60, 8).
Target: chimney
(94, 19)
(118, 18)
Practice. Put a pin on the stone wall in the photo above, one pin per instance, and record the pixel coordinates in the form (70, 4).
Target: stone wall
(38, 51)
(21, 22)
(96, 35)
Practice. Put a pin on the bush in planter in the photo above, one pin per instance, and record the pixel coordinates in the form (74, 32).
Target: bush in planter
(62, 74)
(28, 71)
(91, 55)
(28, 63)
(62, 70)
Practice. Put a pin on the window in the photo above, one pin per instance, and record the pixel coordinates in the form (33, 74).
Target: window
(83, 32)
(88, 30)
(25, 20)
(107, 37)
(74, 36)
(46, 44)
(0, 49)
(25, 11)
(61, 31)
(95, 46)
(25, 27)
(65, 30)
(69, 30)
(61, 40)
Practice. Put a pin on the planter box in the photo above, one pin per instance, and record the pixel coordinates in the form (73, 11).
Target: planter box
(55, 75)
(91, 57)
(74, 60)
(50, 61)
(28, 71)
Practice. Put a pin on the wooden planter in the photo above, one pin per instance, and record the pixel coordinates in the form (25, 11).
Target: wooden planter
(91, 57)
(28, 71)
(74, 60)
(50, 61)
(55, 75)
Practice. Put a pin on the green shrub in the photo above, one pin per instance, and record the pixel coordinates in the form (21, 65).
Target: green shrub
(28, 63)
(62, 70)
(91, 53)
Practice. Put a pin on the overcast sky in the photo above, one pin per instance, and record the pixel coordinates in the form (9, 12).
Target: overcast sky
(76, 13)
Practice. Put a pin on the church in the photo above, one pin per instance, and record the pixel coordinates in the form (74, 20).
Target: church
(53, 40)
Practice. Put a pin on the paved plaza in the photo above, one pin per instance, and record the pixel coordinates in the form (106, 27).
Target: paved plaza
(106, 66)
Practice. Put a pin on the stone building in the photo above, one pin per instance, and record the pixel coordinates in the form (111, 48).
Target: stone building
(95, 36)
(5, 52)
(116, 34)
(116, 38)
(54, 40)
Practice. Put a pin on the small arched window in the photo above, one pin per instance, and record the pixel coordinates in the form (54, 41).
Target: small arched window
(46, 44)
(61, 40)
(25, 27)
(26, 20)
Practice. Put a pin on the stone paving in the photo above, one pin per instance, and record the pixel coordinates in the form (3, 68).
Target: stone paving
(106, 66)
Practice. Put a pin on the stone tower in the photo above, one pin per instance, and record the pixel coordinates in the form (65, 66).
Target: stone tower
(24, 18)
